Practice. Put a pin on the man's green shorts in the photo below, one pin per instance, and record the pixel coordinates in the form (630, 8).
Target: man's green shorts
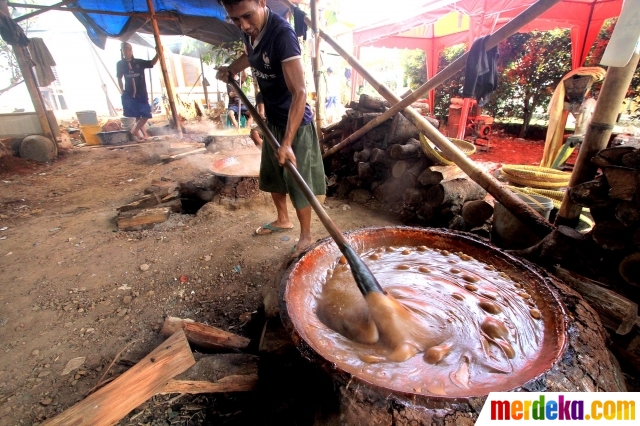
(274, 178)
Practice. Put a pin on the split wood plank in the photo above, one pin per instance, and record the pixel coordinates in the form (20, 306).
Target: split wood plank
(234, 372)
(138, 218)
(227, 384)
(142, 381)
(203, 335)
(143, 202)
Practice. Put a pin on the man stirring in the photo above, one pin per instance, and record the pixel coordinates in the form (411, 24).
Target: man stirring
(273, 51)
(135, 100)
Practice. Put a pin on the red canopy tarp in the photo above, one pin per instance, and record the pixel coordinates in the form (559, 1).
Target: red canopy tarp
(423, 29)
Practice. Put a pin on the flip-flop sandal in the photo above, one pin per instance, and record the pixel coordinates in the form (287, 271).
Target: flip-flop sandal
(268, 228)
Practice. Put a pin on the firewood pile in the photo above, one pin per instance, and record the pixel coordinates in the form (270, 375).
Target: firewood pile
(610, 252)
(169, 369)
(614, 201)
(389, 164)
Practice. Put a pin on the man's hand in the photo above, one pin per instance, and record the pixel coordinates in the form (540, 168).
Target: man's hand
(285, 153)
(223, 74)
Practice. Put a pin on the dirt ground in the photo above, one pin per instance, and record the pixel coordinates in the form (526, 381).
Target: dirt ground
(72, 285)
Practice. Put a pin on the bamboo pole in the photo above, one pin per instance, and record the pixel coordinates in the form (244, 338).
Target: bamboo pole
(163, 66)
(22, 57)
(524, 212)
(315, 64)
(204, 85)
(615, 86)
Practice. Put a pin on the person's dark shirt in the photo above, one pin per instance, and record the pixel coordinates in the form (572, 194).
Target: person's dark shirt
(278, 43)
(133, 73)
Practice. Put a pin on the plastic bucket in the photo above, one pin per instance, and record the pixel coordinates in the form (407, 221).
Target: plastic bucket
(509, 232)
(127, 122)
(90, 133)
(87, 117)
(114, 138)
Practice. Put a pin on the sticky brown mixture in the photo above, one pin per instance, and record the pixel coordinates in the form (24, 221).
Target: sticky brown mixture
(447, 323)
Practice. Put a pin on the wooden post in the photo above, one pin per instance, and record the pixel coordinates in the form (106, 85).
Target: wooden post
(516, 206)
(204, 85)
(163, 66)
(30, 81)
(315, 64)
(150, 84)
(615, 86)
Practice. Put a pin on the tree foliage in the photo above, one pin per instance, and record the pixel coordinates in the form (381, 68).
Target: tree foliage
(530, 65)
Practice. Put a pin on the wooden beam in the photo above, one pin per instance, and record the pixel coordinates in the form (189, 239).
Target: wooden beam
(168, 16)
(163, 66)
(538, 224)
(145, 379)
(38, 12)
(315, 65)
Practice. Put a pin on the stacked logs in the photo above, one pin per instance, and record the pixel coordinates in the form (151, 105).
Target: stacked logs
(388, 164)
(614, 201)
(610, 252)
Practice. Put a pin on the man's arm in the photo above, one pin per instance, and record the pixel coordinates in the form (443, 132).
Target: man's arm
(119, 76)
(154, 60)
(294, 77)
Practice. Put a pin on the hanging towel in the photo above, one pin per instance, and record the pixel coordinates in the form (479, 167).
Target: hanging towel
(11, 32)
(558, 115)
(43, 60)
(299, 25)
(481, 74)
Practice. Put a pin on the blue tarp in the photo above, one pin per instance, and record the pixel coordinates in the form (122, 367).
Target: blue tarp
(200, 19)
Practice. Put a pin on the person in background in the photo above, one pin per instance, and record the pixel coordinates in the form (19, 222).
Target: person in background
(235, 108)
(333, 92)
(255, 134)
(135, 100)
(273, 51)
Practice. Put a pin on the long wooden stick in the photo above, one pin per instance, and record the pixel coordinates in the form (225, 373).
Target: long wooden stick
(363, 276)
(163, 66)
(538, 224)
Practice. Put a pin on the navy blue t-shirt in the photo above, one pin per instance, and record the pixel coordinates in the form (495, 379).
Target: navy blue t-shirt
(279, 42)
(134, 82)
